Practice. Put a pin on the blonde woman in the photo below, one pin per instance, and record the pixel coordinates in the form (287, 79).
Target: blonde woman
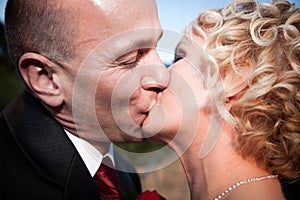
(238, 128)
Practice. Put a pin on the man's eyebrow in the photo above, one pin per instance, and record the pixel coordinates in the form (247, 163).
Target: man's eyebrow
(132, 41)
(148, 42)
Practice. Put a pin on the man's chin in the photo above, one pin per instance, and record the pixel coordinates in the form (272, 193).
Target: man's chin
(149, 129)
(134, 140)
(133, 134)
(146, 128)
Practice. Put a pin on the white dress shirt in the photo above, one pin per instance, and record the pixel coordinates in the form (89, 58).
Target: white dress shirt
(91, 157)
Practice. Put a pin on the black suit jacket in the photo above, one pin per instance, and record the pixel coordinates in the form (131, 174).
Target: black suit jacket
(38, 161)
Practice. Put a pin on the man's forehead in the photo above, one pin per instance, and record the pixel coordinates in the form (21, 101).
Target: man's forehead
(98, 3)
(137, 39)
(113, 5)
(133, 30)
(120, 44)
(111, 17)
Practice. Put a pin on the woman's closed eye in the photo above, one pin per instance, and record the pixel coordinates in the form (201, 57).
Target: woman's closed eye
(179, 54)
(177, 58)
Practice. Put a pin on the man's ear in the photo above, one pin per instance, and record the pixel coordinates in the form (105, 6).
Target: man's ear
(39, 73)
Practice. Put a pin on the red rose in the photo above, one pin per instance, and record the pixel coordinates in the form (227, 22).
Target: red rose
(150, 195)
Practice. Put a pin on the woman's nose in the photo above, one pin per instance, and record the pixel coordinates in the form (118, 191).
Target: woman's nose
(154, 74)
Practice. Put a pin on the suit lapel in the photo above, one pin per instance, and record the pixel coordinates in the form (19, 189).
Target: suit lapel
(48, 148)
(79, 184)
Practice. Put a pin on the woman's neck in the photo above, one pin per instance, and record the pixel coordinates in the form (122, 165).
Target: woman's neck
(222, 167)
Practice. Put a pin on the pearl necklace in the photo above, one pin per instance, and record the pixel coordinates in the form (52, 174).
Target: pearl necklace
(249, 180)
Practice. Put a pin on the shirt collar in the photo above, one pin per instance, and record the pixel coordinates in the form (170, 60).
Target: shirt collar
(91, 157)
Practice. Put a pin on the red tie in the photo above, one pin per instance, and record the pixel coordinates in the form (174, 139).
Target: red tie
(106, 179)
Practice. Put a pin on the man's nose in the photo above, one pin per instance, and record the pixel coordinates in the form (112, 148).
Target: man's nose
(154, 74)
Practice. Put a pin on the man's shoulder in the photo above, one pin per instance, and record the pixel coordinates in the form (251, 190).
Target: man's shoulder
(11, 118)
(24, 111)
(4, 129)
(21, 102)
(8, 112)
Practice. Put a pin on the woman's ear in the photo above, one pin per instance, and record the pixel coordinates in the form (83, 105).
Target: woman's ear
(39, 74)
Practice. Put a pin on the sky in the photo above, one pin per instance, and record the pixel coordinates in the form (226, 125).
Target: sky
(175, 14)
(2, 6)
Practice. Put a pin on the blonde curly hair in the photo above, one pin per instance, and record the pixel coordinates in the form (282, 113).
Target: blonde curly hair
(257, 49)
